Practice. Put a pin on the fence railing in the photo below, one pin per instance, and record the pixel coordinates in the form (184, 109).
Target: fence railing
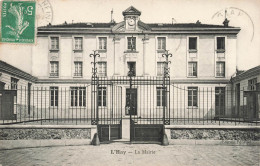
(185, 104)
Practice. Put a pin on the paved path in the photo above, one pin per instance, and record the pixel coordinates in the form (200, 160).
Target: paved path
(136, 154)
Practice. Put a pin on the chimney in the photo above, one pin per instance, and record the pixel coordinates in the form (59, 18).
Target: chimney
(225, 23)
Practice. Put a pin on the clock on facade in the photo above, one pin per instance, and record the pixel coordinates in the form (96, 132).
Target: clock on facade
(131, 22)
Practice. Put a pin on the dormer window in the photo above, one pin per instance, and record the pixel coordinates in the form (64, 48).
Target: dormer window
(131, 43)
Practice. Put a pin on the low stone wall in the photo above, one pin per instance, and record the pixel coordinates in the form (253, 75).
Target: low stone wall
(27, 134)
(216, 134)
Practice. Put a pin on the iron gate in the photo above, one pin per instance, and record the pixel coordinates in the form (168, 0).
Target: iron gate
(144, 100)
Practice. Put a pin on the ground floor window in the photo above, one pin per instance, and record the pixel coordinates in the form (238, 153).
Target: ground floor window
(78, 96)
(193, 96)
(54, 96)
(160, 96)
(102, 96)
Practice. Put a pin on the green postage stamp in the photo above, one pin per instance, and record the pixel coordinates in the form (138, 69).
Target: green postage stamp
(17, 22)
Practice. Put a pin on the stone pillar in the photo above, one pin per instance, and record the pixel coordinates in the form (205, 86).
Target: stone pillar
(145, 58)
(126, 129)
(116, 54)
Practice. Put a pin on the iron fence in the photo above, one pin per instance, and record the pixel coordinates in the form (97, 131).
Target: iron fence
(151, 102)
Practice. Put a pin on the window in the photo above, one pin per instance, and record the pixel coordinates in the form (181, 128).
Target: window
(220, 43)
(252, 84)
(102, 69)
(54, 69)
(160, 96)
(161, 43)
(78, 43)
(54, 96)
(220, 69)
(192, 96)
(131, 43)
(131, 67)
(102, 96)
(102, 41)
(78, 69)
(54, 43)
(14, 83)
(160, 68)
(192, 43)
(78, 96)
(192, 69)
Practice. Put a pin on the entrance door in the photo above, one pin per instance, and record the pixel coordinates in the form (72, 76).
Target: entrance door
(131, 101)
(220, 101)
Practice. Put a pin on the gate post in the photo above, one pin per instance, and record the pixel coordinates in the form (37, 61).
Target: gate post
(166, 82)
(130, 75)
(94, 97)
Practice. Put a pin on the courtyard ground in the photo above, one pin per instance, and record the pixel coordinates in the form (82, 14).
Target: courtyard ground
(133, 154)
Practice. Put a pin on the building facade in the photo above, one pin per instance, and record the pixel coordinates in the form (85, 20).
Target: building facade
(197, 84)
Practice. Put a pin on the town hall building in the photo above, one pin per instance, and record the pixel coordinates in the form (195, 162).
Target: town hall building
(153, 73)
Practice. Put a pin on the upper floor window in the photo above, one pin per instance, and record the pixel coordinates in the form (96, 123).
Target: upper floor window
(192, 69)
(102, 43)
(131, 67)
(220, 69)
(160, 68)
(131, 43)
(102, 69)
(102, 96)
(193, 96)
(192, 43)
(252, 84)
(78, 96)
(78, 43)
(54, 43)
(220, 43)
(78, 69)
(14, 83)
(54, 96)
(54, 68)
(161, 42)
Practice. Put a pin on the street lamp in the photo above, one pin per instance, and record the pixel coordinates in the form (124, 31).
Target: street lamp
(166, 80)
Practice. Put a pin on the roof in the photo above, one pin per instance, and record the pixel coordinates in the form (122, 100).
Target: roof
(151, 25)
(5, 67)
(253, 72)
(80, 25)
(88, 27)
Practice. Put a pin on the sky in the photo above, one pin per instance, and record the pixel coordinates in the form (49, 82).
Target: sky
(241, 13)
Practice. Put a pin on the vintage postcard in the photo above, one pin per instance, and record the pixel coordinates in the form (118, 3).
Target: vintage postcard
(167, 82)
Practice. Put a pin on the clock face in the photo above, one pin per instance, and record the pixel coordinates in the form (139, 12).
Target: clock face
(131, 22)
